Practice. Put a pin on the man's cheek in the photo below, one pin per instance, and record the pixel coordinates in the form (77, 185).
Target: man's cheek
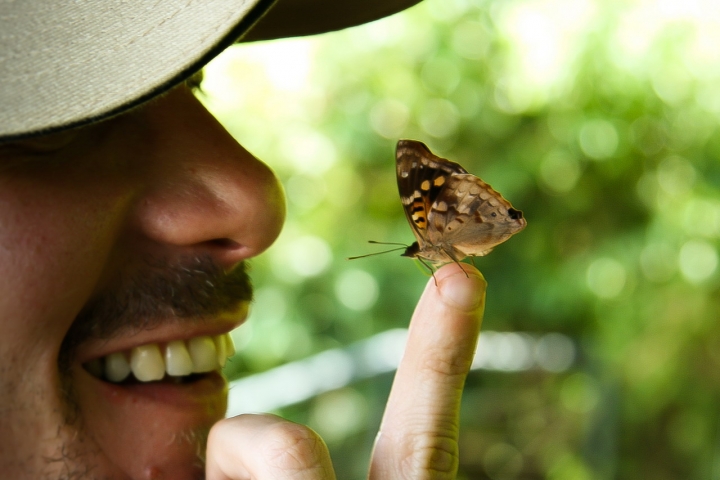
(54, 248)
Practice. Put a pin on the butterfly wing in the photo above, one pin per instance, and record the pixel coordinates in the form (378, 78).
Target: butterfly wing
(467, 215)
(421, 178)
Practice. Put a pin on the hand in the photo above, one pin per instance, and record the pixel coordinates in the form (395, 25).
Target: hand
(418, 437)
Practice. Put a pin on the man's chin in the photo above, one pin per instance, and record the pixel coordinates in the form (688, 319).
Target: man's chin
(154, 430)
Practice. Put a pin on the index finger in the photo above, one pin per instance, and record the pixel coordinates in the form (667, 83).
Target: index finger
(419, 431)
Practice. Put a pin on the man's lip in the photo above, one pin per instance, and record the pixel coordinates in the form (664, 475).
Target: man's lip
(164, 332)
(209, 388)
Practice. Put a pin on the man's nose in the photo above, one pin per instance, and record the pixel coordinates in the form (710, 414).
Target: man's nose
(204, 194)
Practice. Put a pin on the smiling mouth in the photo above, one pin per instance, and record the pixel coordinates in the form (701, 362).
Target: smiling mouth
(178, 361)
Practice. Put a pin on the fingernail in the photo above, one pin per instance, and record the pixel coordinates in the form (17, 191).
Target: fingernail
(463, 292)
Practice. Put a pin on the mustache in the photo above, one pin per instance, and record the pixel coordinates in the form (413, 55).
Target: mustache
(190, 289)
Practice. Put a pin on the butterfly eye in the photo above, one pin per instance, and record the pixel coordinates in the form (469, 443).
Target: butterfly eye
(515, 214)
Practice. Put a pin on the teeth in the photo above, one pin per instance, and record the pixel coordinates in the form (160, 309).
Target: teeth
(230, 343)
(181, 358)
(117, 367)
(177, 359)
(203, 353)
(147, 363)
(221, 349)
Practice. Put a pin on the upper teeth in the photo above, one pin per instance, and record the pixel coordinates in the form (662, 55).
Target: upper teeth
(177, 358)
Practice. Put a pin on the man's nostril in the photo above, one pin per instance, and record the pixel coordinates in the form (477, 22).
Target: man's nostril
(225, 243)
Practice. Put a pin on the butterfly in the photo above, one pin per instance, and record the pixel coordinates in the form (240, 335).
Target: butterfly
(452, 213)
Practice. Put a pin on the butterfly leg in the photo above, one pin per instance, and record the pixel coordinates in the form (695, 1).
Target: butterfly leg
(432, 272)
(456, 260)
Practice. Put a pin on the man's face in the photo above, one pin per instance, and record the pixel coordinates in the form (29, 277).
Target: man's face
(127, 233)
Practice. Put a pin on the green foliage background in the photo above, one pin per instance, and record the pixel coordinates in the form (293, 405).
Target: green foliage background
(600, 121)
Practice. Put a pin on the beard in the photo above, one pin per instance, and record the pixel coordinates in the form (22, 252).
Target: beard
(187, 291)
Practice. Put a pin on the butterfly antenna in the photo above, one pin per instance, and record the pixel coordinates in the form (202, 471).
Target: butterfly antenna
(402, 247)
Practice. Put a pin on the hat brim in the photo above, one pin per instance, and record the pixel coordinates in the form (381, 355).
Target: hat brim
(289, 18)
(67, 64)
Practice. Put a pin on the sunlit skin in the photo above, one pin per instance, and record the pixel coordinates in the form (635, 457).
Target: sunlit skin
(83, 211)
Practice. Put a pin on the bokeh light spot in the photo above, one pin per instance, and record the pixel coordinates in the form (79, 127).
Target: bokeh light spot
(470, 40)
(512, 96)
(606, 277)
(308, 256)
(543, 42)
(598, 139)
(439, 118)
(308, 151)
(698, 260)
(675, 175)
(560, 172)
(702, 217)
(671, 84)
(466, 98)
(356, 289)
(389, 118)
(580, 393)
(502, 461)
(339, 414)
(440, 75)
(506, 351)
(304, 191)
(555, 352)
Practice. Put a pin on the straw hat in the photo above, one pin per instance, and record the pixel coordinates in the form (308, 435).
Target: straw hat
(64, 63)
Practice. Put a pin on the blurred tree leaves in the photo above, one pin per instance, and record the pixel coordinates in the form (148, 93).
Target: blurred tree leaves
(599, 120)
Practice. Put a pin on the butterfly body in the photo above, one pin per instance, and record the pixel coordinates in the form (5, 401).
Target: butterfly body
(453, 214)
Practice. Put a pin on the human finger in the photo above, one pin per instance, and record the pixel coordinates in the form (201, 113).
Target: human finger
(418, 436)
(266, 447)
